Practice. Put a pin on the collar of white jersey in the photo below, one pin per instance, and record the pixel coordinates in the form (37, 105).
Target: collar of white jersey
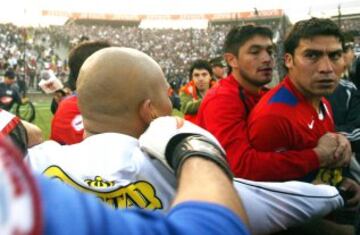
(8, 122)
(112, 137)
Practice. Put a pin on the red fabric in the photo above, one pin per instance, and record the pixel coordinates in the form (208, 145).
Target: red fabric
(190, 89)
(295, 124)
(65, 124)
(223, 113)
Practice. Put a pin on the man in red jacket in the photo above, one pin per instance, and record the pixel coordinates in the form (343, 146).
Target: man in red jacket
(225, 109)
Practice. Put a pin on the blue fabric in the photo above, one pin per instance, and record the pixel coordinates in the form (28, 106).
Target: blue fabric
(284, 96)
(67, 211)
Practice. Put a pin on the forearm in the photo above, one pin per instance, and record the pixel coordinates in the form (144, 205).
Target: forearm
(202, 180)
(246, 162)
(34, 133)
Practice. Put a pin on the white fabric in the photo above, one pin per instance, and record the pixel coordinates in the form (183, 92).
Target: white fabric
(118, 159)
(162, 130)
(128, 178)
(5, 118)
(272, 207)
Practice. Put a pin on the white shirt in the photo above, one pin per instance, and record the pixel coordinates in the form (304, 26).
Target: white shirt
(110, 165)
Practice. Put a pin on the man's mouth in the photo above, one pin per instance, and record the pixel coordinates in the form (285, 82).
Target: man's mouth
(265, 70)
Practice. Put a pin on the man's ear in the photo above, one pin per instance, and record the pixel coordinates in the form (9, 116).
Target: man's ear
(231, 60)
(147, 111)
(289, 60)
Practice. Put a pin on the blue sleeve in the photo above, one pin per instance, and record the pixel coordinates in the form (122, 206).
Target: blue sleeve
(67, 211)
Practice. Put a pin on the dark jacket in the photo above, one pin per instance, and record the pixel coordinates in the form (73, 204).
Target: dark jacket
(345, 102)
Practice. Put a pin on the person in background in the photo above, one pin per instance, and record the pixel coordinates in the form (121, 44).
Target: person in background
(67, 125)
(345, 103)
(192, 93)
(9, 94)
(218, 66)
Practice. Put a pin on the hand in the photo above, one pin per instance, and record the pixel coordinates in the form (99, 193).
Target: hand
(351, 194)
(172, 140)
(325, 149)
(343, 152)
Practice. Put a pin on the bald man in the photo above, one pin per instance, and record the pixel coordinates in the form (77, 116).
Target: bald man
(121, 91)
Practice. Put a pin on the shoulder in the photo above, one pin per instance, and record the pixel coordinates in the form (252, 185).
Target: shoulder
(277, 102)
(347, 84)
(223, 90)
(42, 153)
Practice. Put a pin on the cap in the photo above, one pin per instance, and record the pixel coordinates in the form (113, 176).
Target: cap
(10, 74)
(217, 61)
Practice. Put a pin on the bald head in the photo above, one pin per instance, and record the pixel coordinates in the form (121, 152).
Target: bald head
(112, 86)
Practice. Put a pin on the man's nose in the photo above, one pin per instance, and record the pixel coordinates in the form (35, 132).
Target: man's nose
(325, 65)
(266, 57)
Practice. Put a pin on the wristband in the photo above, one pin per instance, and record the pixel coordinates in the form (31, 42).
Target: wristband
(184, 146)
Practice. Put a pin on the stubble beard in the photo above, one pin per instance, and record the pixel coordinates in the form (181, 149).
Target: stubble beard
(249, 79)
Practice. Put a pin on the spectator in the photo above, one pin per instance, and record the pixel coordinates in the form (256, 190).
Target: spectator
(218, 66)
(9, 94)
(193, 92)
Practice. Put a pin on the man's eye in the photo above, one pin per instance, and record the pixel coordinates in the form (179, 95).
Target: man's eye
(254, 51)
(335, 55)
(312, 55)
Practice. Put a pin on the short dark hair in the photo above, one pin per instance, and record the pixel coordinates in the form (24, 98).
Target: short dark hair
(239, 35)
(307, 29)
(79, 54)
(200, 64)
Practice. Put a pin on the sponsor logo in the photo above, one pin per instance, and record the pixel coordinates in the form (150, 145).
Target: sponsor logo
(329, 176)
(77, 123)
(139, 194)
(311, 124)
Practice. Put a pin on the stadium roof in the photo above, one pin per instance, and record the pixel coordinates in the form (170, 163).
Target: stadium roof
(25, 12)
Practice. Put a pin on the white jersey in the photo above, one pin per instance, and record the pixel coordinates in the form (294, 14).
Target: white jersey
(110, 165)
(113, 167)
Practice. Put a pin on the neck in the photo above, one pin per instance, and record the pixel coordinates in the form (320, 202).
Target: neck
(313, 100)
(129, 128)
(203, 92)
(246, 84)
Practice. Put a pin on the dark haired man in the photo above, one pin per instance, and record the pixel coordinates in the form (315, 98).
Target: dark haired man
(295, 114)
(191, 94)
(225, 109)
(345, 103)
(67, 126)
